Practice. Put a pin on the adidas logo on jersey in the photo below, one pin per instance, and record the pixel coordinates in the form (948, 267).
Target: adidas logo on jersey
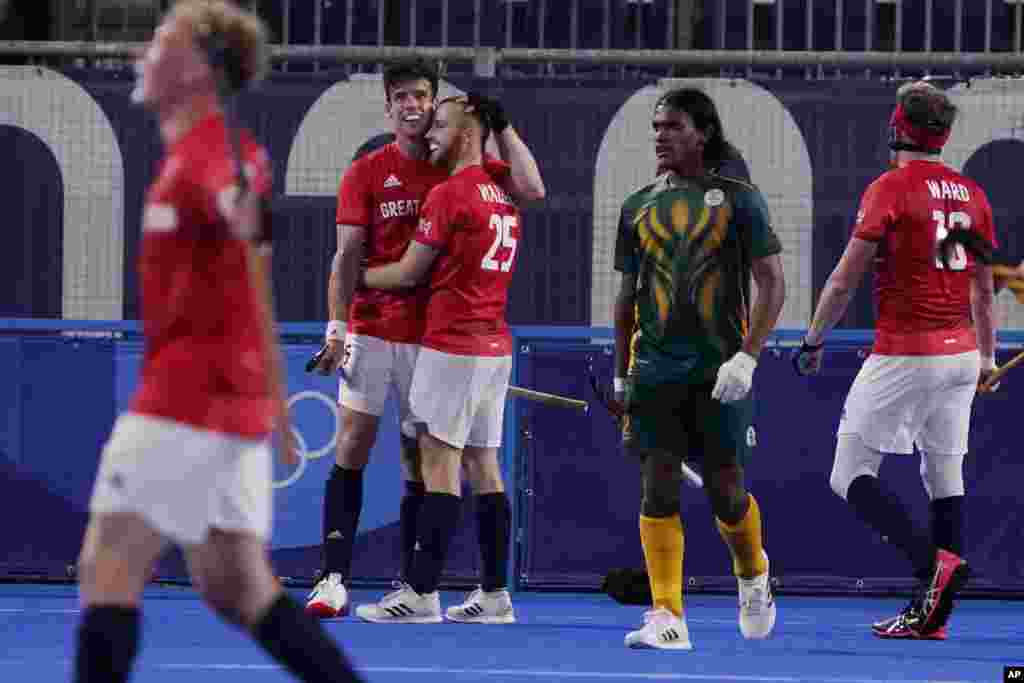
(392, 181)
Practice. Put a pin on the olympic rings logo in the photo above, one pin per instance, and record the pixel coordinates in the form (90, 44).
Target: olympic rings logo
(305, 454)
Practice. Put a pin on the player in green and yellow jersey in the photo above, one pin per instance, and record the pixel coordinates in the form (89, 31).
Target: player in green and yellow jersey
(687, 342)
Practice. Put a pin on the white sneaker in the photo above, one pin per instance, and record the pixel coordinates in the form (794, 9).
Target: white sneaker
(662, 630)
(403, 606)
(757, 606)
(481, 607)
(329, 599)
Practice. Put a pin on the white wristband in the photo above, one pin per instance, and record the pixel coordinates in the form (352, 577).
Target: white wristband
(988, 363)
(619, 384)
(336, 330)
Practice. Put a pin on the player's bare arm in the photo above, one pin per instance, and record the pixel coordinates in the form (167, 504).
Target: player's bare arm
(625, 320)
(524, 181)
(771, 295)
(982, 304)
(248, 219)
(841, 286)
(341, 283)
(408, 272)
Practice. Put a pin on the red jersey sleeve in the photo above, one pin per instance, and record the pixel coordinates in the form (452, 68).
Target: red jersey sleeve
(496, 168)
(355, 201)
(436, 220)
(879, 208)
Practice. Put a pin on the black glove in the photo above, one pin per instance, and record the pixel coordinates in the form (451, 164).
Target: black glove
(490, 110)
(807, 359)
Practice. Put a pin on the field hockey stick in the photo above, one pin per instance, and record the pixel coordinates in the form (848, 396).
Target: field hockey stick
(998, 373)
(549, 399)
(690, 476)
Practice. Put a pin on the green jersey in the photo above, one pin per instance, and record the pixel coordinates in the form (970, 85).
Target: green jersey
(690, 245)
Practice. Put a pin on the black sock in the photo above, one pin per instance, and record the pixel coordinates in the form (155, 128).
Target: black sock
(437, 520)
(412, 501)
(493, 526)
(343, 501)
(298, 642)
(948, 524)
(880, 509)
(108, 639)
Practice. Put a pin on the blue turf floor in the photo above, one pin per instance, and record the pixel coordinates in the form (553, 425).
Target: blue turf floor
(559, 637)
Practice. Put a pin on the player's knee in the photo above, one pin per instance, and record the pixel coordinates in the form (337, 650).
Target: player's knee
(727, 493)
(224, 592)
(658, 502)
(853, 459)
(355, 442)
(942, 475)
(660, 479)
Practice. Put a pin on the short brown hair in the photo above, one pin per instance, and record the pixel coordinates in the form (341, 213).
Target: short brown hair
(926, 106)
(243, 34)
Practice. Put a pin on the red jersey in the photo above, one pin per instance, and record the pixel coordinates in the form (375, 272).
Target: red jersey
(203, 363)
(924, 308)
(382, 193)
(475, 225)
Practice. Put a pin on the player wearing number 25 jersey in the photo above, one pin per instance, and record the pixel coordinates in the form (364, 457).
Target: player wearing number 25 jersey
(475, 227)
(917, 387)
(464, 250)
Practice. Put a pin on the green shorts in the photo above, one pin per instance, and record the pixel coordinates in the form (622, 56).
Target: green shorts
(684, 420)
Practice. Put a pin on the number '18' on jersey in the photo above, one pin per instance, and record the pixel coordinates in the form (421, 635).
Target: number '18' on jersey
(923, 305)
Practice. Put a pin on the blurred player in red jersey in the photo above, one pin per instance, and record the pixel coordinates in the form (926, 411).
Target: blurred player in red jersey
(373, 335)
(934, 343)
(466, 240)
(190, 462)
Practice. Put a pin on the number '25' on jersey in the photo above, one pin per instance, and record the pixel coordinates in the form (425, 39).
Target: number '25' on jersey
(474, 225)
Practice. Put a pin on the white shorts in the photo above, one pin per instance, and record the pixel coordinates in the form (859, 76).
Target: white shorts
(374, 367)
(897, 402)
(183, 480)
(461, 399)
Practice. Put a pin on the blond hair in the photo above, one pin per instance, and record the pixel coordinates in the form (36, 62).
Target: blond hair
(243, 33)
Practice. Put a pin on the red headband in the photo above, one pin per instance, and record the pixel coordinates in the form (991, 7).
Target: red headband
(919, 135)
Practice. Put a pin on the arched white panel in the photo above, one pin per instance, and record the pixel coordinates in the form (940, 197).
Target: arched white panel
(78, 133)
(990, 110)
(344, 117)
(774, 150)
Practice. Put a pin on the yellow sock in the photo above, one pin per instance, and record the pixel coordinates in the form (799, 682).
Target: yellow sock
(662, 538)
(744, 541)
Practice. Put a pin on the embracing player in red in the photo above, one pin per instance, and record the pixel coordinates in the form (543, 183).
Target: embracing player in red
(373, 336)
(934, 345)
(465, 250)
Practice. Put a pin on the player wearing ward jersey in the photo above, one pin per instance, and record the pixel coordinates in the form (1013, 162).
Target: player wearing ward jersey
(687, 341)
(917, 387)
(374, 333)
(467, 241)
(189, 463)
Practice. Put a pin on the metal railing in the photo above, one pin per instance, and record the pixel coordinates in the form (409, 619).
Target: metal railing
(727, 24)
(754, 37)
(486, 60)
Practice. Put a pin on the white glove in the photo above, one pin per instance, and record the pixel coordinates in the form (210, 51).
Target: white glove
(734, 378)
(336, 331)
